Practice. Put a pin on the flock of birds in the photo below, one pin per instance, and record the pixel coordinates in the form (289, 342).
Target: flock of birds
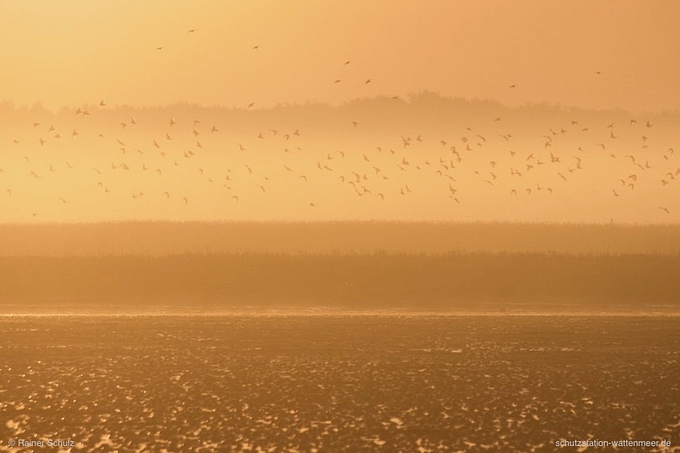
(490, 155)
(394, 170)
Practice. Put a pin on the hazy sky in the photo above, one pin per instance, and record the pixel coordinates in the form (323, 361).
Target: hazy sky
(382, 154)
(73, 52)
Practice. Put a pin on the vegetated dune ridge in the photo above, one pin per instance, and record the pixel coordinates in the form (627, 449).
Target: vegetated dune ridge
(451, 282)
(171, 238)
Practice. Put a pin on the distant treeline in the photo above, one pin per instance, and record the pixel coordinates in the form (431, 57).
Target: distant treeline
(427, 113)
(338, 238)
(439, 108)
(381, 281)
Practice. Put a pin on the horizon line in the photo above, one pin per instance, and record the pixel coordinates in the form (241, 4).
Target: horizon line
(345, 221)
(408, 99)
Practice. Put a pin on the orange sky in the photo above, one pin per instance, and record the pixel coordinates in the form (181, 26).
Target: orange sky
(400, 142)
(73, 52)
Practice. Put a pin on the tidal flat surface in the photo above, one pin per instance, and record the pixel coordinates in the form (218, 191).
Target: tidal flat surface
(337, 383)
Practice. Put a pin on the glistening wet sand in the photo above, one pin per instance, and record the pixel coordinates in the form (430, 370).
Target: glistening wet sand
(338, 383)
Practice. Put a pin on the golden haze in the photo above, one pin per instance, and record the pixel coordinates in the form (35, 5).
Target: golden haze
(73, 52)
(289, 111)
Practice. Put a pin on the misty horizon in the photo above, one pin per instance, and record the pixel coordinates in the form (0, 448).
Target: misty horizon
(384, 100)
(432, 158)
(408, 98)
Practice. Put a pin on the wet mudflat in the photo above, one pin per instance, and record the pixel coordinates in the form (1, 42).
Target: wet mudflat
(337, 383)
